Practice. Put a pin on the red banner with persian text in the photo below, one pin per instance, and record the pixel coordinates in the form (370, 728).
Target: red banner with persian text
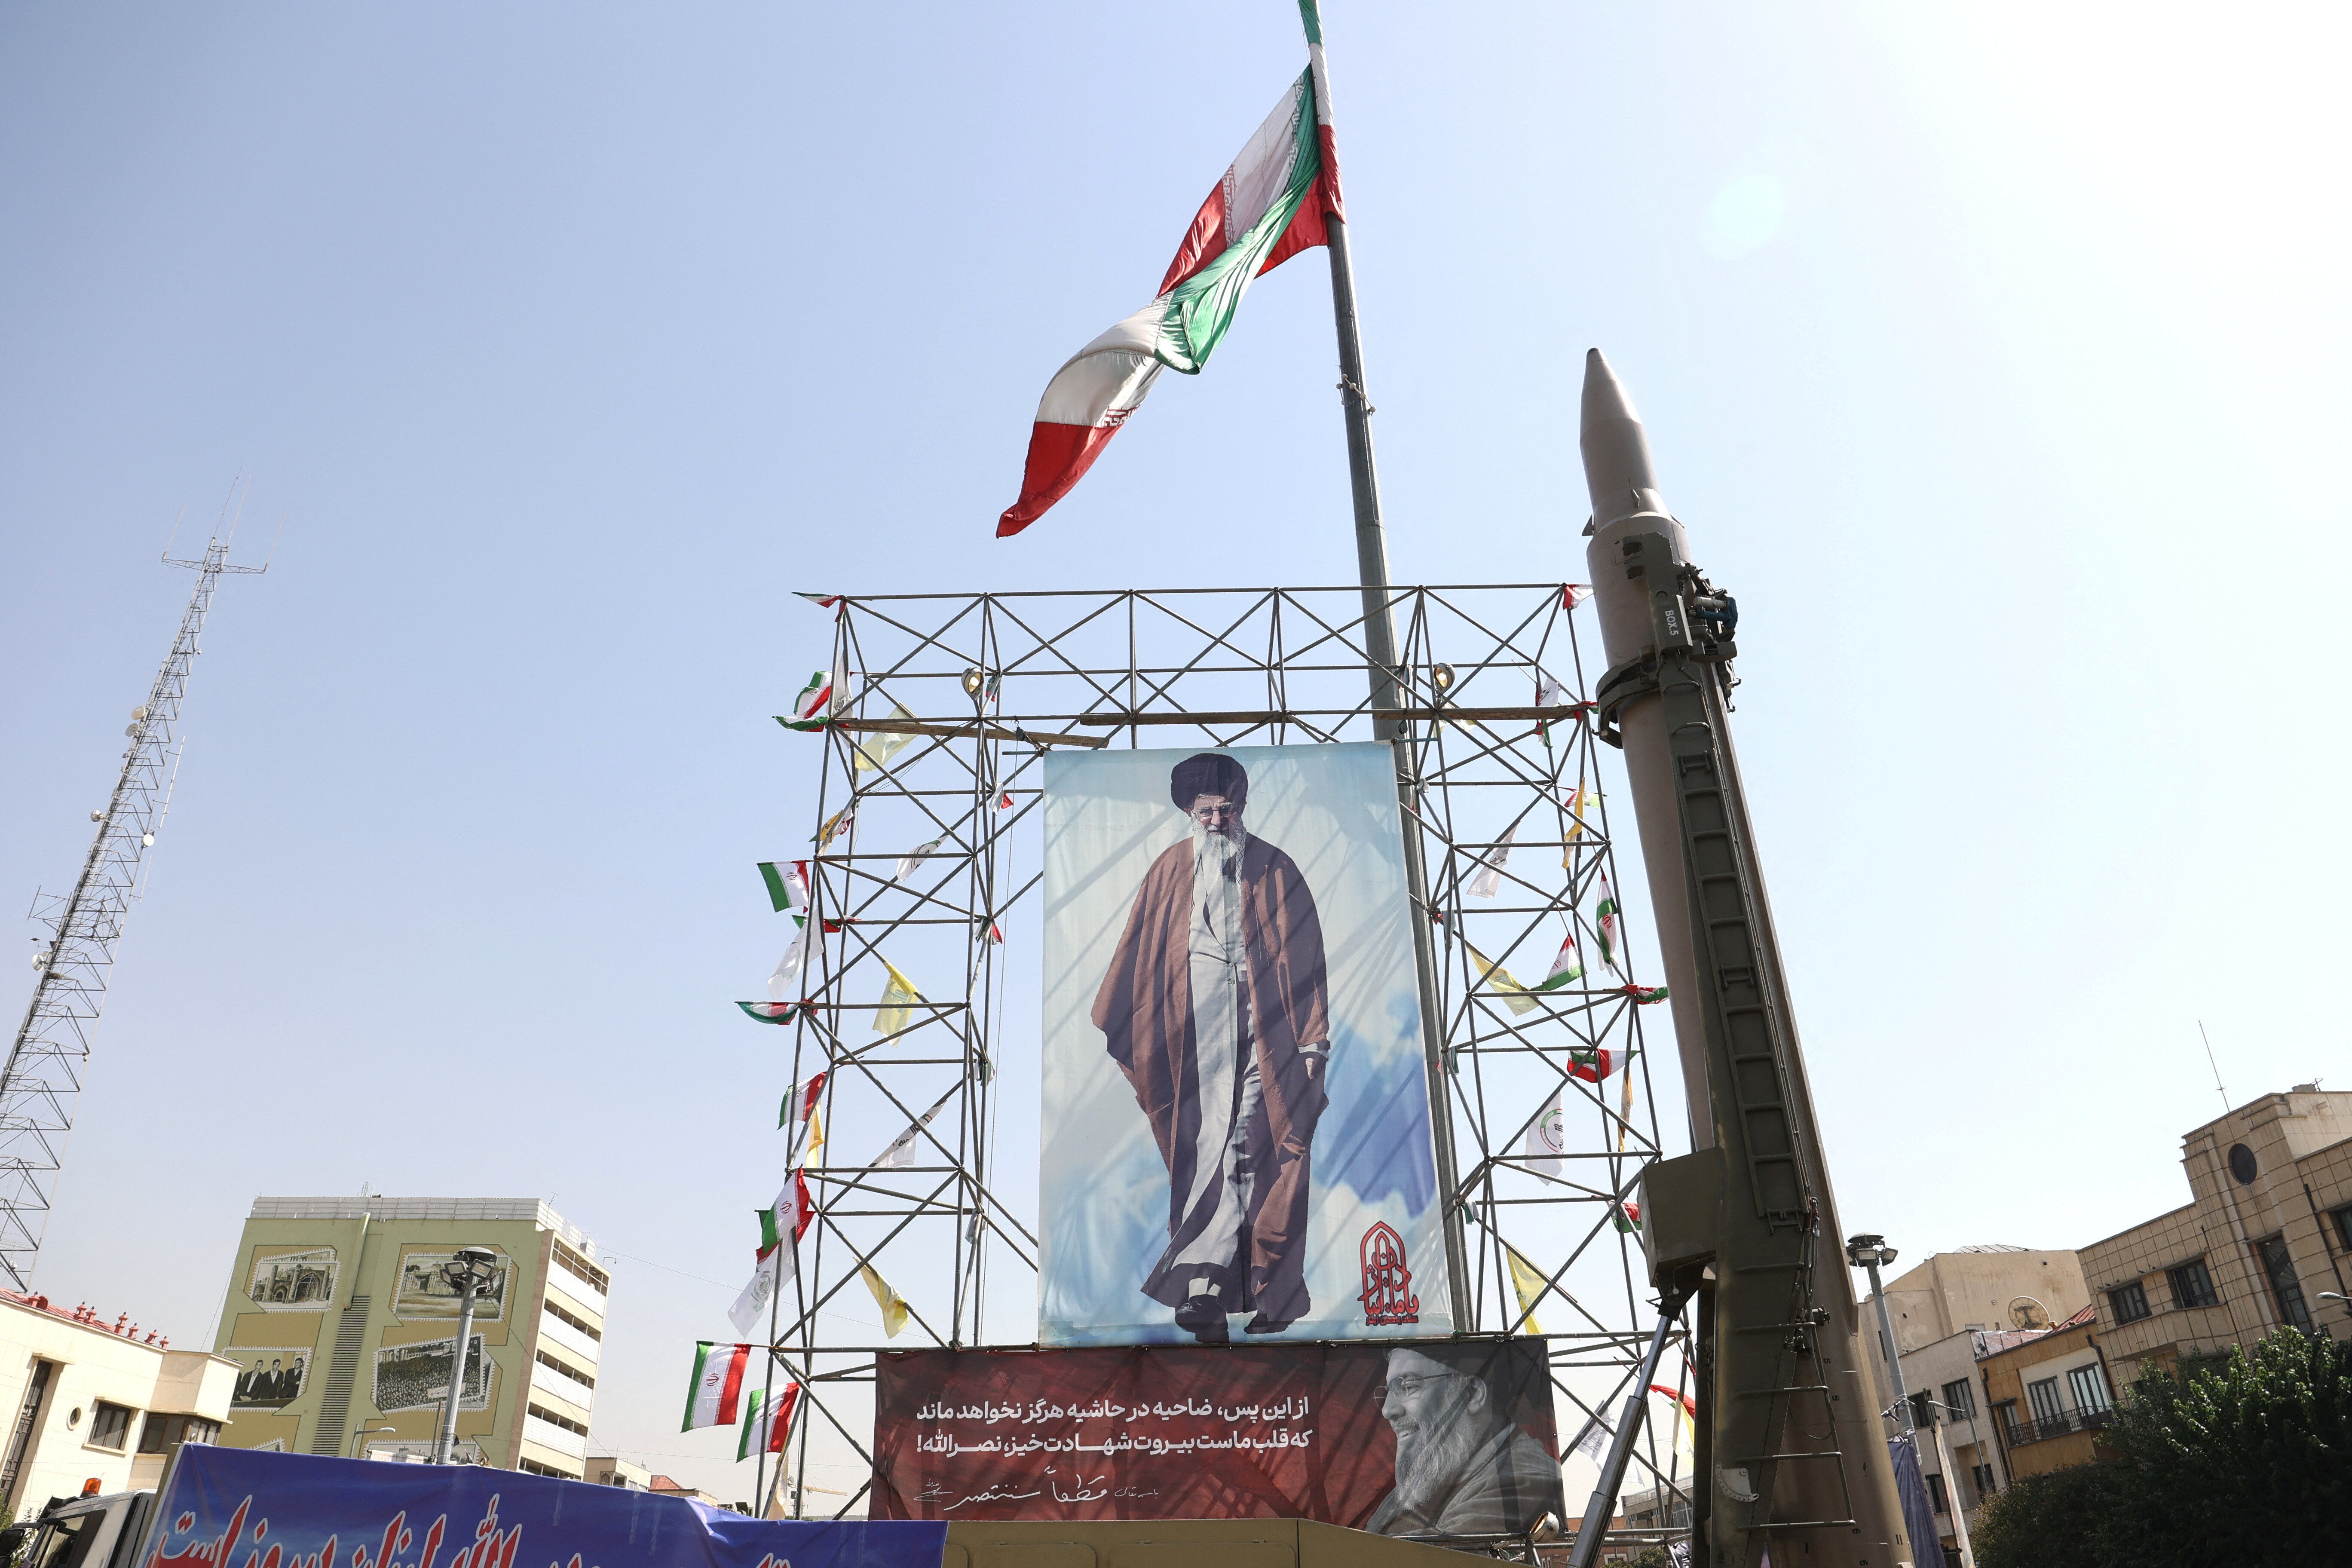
(1448, 1439)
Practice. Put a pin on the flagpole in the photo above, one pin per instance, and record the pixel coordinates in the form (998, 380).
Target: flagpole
(1380, 647)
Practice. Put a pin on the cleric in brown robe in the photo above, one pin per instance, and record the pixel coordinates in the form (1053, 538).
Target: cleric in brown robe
(1214, 1006)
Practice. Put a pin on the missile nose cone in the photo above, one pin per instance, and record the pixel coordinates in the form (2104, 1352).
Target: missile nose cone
(1617, 468)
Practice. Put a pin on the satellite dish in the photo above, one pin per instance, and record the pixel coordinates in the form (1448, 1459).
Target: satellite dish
(138, 715)
(2025, 1312)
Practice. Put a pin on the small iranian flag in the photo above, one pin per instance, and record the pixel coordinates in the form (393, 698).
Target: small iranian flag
(768, 1428)
(801, 1101)
(714, 1394)
(1626, 1217)
(779, 1255)
(1574, 594)
(1264, 209)
(1612, 930)
(822, 601)
(1005, 801)
(1565, 967)
(788, 886)
(1594, 1065)
(825, 696)
(772, 1012)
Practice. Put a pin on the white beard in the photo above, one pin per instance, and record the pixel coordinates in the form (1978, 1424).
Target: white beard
(1433, 1461)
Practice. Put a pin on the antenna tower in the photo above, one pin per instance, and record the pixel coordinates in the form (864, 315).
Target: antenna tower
(43, 1076)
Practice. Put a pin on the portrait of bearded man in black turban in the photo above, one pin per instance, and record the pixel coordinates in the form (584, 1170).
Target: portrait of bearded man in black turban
(1215, 1007)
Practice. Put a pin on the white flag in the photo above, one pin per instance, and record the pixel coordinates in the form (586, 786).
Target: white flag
(1546, 1141)
(784, 984)
(914, 857)
(902, 1147)
(1594, 1442)
(1489, 883)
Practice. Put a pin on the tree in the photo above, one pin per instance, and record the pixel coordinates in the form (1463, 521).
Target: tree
(2248, 1461)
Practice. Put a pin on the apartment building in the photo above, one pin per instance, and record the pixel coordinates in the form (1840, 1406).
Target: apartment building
(2049, 1394)
(1948, 1310)
(343, 1334)
(96, 1402)
(2266, 1236)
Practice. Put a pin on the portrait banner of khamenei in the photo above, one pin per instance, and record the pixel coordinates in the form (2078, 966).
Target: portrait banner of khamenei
(1237, 1128)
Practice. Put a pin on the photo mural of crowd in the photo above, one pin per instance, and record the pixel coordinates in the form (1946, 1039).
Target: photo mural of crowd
(413, 1377)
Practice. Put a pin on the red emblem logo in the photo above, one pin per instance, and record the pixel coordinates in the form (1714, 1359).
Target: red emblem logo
(1388, 1295)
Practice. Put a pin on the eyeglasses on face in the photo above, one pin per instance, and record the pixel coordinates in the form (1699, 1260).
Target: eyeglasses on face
(1409, 1384)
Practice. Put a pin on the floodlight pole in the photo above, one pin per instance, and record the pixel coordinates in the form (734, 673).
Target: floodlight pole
(1381, 644)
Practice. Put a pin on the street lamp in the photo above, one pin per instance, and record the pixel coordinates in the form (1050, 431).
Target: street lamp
(468, 1272)
(1872, 1253)
(363, 1430)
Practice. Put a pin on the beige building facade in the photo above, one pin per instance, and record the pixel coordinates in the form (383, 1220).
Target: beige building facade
(90, 1401)
(343, 1332)
(2268, 1228)
(2050, 1394)
(1948, 1310)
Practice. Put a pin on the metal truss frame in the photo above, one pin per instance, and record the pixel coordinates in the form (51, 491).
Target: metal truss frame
(944, 707)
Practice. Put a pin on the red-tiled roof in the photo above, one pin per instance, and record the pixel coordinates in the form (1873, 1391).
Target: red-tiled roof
(2088, 1314)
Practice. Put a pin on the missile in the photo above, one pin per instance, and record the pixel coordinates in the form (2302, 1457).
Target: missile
(1792, 1464)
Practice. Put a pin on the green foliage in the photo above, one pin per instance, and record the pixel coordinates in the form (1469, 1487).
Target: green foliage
(1649, 1557)
(2247, 1461)
(2047, 1521)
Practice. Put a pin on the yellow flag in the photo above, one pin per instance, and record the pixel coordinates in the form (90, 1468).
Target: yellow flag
(1578, 805)
(1514, 995)
(875, 751)
(893, 1305)
(897, 997)
(1529, 1283)
(816, 1136)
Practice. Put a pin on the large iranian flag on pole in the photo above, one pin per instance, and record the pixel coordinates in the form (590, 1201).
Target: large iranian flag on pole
(714, 1394)
(1269, 205)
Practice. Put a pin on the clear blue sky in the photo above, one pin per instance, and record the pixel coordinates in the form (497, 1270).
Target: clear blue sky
(1992, 352)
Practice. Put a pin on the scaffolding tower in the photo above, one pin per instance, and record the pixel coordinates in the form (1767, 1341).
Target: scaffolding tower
(42, 1079)
(926, 864)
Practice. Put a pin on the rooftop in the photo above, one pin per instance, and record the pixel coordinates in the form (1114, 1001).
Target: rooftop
(536, 1210)
(87, 1317)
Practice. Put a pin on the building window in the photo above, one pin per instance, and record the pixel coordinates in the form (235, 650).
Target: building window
(162, 1431)
(532, 1468)
(552, 1419)
(2192, 1285)
(1935, 1494)
(2129, 1302)
(2271, 1251)
(574, 1373)
(1960, 1400)
(2046, 1405)
(1986, 1486)
(1923, 1410)
(109, 1425)
(2010, 1424)
(2090, 1386)
(572, 1263)
(21, 1437)
(2343, 1219)
(561, 1316)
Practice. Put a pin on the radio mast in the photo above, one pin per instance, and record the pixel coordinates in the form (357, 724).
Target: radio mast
(43, 1076)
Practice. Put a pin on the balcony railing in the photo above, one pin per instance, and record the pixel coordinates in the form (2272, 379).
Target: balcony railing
(2058, 1425)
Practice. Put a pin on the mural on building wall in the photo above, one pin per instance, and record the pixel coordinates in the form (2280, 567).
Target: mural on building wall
(412, 1377)
(292, 1279)
(424, 1293)
(268, 1378)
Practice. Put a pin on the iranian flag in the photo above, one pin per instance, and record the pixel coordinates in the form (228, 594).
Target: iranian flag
(779, 1253)
(1612, 928)
(768, 1428)
(714, 1395)
(787, 887)
(1269, 205)
(1565, 966)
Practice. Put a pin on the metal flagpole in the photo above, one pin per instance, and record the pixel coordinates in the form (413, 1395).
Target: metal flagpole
(1379, 642)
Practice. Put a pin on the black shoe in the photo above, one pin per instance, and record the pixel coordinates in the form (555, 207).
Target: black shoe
(1203, 1317)
(1262, 1324)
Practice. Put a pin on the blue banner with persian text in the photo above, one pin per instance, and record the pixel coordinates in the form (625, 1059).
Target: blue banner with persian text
(235, 1507)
